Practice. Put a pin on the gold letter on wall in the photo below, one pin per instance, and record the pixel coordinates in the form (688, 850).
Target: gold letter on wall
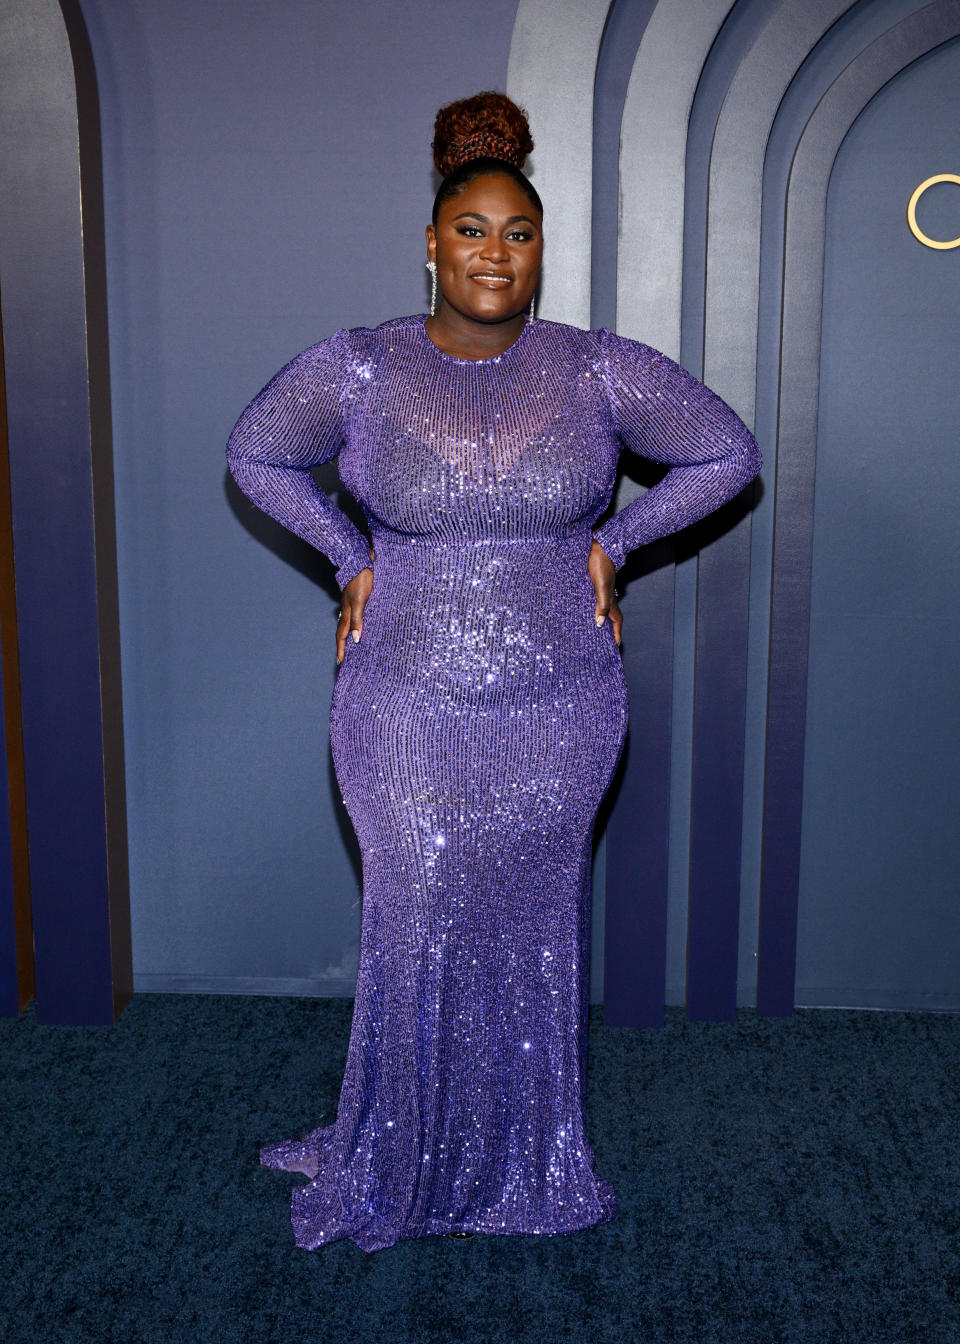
(912, 211)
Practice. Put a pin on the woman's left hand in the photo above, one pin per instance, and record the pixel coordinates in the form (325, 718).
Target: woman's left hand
(603, 573)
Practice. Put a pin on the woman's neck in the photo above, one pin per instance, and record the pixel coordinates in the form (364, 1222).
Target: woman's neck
(463, 338)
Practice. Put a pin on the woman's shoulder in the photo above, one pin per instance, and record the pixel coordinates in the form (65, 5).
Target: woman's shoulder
(390, 324)
(605, 350)
(384, 332)
(598, 342)
(346, 340)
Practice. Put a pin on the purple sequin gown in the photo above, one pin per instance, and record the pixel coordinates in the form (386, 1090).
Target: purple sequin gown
(474, 730)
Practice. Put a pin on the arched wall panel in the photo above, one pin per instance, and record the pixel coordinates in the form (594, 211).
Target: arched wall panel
(784, 42)
(675, 45)
(653, 151)
(629, 944)
(723, 561)
(553, 59)
(64, 538)
(854, 31)
(795, 478)
(647, 835)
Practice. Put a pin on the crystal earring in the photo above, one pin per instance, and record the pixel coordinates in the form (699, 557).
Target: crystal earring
(432, 268)
(533, 299)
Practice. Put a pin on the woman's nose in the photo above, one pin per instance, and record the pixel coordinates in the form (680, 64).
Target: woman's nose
(494, 249)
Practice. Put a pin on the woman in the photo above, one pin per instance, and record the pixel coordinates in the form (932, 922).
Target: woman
(480, 706)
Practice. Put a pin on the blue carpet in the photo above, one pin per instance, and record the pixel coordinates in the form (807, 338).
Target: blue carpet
(780, 1181)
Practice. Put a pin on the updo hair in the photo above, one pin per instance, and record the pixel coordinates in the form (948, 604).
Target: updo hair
(487, 133)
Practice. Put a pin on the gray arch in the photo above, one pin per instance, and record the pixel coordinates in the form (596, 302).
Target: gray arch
(553, 61)
(731, 318)
(663, 82)
(797, 417)
(61, 466)
(736, 181)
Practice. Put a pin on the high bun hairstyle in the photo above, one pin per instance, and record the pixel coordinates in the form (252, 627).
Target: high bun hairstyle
(487, 133)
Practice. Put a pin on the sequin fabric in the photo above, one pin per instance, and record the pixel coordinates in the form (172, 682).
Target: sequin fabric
(474, 729)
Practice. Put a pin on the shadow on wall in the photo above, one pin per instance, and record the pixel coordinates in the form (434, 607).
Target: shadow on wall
(284, 544)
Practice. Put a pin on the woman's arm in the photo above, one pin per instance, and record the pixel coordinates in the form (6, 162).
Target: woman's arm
(295, 423)
(663, 412)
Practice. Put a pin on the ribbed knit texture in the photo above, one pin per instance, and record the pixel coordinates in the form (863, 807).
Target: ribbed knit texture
(474, 730)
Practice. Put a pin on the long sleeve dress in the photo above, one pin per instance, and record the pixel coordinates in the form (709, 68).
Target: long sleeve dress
(474, 729)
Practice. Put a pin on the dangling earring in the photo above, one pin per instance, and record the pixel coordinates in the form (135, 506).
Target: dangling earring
(432, 268)
(533, 299)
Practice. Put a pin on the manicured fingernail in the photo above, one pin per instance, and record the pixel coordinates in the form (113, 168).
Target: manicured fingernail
(356, 635)
(599, 620)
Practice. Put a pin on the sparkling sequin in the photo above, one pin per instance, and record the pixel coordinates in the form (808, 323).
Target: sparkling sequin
(474, 729)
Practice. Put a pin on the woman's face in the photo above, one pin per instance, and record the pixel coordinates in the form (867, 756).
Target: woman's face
(488, 246)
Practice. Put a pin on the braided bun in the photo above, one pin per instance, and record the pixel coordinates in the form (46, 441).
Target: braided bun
(488, 125)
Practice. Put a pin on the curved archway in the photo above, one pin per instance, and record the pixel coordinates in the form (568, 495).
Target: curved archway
(816, 153)
(61, 461)
(663, 82)
(723, 567)
(553, 57)
(781, 47)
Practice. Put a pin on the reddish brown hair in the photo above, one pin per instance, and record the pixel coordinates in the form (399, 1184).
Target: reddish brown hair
(488, 125)
(487, 133)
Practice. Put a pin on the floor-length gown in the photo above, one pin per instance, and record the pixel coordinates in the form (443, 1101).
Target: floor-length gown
(474, 729)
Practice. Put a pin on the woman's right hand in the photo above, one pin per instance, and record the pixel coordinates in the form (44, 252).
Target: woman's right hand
(353, 600)
(603, 574)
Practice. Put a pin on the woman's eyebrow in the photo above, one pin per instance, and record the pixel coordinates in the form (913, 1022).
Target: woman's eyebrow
(514, 219)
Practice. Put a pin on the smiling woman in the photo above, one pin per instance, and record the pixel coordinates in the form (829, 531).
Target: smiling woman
(481, 705)
(488, 248)
(485, 242)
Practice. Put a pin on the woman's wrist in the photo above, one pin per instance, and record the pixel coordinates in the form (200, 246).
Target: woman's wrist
(610, 551)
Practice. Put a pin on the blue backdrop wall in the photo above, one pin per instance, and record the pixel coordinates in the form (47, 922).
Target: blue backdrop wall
(881, 847)
(267, 180)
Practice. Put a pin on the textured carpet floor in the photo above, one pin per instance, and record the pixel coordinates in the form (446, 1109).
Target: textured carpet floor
(780, 1181)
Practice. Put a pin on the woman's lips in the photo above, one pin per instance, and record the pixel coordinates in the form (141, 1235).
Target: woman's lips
(493, 281)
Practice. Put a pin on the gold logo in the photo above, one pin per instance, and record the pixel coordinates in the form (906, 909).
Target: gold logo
(912, 212)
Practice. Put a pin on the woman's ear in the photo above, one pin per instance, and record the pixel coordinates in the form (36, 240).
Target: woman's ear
(431, 242)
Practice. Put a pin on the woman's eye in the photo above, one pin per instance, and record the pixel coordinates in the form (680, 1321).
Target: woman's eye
(471, 229)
